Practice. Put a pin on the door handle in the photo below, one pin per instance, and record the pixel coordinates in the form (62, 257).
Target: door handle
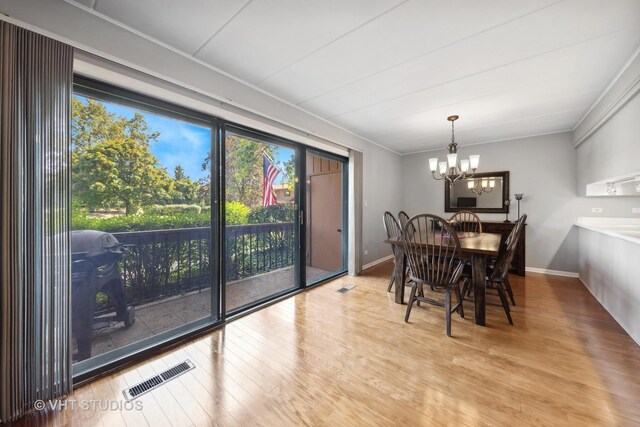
(339, 230)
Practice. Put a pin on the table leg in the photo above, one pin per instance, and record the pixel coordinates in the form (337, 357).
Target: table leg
(479, 272)
(400, 269)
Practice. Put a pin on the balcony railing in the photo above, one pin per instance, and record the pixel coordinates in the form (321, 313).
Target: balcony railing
(163, 263)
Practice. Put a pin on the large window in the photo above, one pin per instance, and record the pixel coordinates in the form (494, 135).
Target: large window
(141, 218)
(154, 255)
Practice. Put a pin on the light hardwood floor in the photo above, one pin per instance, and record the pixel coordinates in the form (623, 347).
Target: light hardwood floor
(327, 358)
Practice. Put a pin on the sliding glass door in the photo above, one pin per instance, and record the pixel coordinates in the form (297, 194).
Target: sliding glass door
(261, 243)
(180, 220)
(143, 242)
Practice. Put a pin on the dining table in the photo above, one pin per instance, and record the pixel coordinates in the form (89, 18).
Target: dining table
(476, 246)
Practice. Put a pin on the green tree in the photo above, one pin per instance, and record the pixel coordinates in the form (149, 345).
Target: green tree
(111, 161)
(185, 191)
(243, 167)
(120, 172)
(91, 123)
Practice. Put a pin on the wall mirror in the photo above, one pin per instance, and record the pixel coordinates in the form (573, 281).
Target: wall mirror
(484, 192)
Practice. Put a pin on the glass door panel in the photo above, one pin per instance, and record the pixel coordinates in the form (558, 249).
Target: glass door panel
(142, 225)
(261, 220)
(325, 223)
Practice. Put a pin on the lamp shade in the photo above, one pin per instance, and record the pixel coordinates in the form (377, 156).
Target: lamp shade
(433, 164)
(443, 168)
(474, 160)
(470, 184)
(452, 159)
(464, 165)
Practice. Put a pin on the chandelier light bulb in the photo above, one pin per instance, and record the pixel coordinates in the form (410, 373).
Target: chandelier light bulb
(452, 170)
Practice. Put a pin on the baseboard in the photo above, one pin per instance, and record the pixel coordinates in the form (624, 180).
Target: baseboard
(552, 272)
(376, 262)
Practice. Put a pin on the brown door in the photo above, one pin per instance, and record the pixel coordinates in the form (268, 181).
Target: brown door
(325, 221)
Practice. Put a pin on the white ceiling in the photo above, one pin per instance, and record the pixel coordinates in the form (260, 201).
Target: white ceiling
(393, 70)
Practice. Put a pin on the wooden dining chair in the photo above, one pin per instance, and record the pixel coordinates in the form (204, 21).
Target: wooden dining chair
(466, 221)
(515, 233)
(394, 231)
(403, 218)
(498, 278)
(432, 252)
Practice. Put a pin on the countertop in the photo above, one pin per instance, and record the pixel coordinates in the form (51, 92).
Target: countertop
(622, 228)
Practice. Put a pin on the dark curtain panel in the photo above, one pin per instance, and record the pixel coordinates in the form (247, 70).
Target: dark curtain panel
(36, 78)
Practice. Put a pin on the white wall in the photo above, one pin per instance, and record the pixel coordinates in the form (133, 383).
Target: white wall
(541, 167)
(214, 89)
(608, 145)
(612, 150)
(607, 139)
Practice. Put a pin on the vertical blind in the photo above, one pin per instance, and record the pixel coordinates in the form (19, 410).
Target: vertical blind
(36, 78)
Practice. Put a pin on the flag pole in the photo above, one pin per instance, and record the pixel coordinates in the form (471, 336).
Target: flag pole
(273, 161)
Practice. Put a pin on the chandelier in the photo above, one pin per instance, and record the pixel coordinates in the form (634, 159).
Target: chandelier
(452, 170)
(481, 186)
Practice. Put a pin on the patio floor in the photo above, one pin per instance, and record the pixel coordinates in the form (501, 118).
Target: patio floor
(163, 315)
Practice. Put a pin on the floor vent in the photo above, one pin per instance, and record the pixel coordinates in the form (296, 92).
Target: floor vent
(156, 381)
(346, 288)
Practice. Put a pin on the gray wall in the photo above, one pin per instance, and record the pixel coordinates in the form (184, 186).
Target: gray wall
(544, 169)
(382, 181)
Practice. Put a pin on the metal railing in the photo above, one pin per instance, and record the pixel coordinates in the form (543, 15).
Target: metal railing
(163, 263)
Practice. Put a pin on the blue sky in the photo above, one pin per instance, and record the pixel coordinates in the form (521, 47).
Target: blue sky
(180, 143)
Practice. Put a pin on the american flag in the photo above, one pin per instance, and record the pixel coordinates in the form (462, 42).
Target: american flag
(269, 174)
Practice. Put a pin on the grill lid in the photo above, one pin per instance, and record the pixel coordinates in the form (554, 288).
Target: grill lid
(92, 241)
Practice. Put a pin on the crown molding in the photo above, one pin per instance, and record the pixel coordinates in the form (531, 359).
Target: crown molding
(624, 87)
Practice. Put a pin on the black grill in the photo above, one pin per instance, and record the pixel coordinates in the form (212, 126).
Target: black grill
(95, 257)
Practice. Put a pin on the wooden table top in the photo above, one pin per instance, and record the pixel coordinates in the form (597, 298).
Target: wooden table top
(478, 243)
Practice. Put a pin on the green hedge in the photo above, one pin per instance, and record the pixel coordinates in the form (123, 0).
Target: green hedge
(171, 209)
(271, 214)
(236, 213)
(146, 221)
(175, 216)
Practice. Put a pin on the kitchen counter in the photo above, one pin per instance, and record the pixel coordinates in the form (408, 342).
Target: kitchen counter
(622, 228)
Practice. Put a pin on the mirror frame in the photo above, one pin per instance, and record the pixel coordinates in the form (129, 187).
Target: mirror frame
(505, 194)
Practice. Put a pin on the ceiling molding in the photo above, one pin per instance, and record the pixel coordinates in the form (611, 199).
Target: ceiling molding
(495, 141)
(593, 120)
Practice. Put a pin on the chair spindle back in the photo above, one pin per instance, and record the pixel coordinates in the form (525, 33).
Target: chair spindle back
(432, 250)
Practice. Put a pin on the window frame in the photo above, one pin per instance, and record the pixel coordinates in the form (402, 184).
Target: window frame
(133, 353)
